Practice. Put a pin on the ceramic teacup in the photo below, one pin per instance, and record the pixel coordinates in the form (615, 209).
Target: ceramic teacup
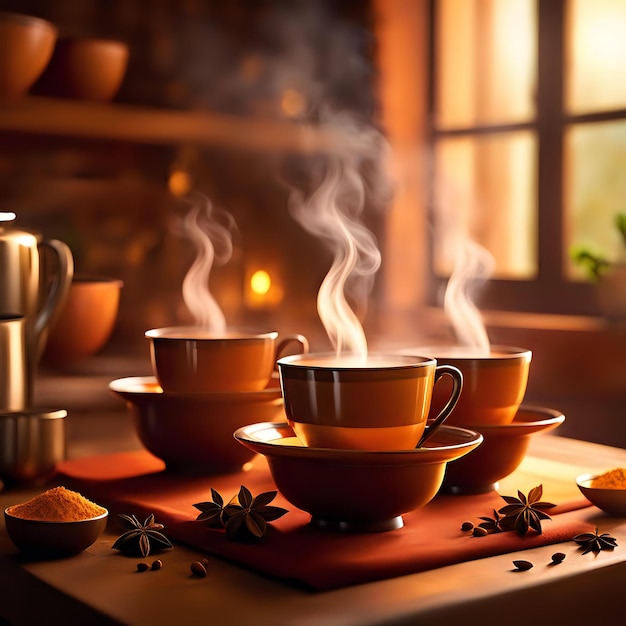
(494, 384)
(190, 359)
(381, 403)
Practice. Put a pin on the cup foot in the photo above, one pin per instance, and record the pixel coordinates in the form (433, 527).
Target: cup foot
(393, 523)
(468, 490)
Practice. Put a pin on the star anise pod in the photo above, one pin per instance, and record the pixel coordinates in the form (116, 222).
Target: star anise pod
(250, 515)
(141, 538)
(492, 524)
(593, 542)
(525, 512)
(212, 512)
(243, 516)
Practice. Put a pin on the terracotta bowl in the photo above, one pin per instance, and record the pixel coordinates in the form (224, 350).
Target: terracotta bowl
(356, 490)
(53, 539)
(193, 433)
(85, 320)
(85, 68)
(26, 45)
(611, 501)
(501, 452)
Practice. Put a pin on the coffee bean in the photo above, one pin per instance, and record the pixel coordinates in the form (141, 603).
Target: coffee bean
(467, 526)
(522, 565)
(197, 569)
(142, 567)
(558, 557)
(158, 564)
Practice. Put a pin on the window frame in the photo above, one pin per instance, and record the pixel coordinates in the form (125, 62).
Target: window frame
(551, 291)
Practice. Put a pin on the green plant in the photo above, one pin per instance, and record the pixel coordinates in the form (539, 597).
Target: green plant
(597, 265)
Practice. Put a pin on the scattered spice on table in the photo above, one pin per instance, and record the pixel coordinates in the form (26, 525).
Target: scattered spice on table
(595, 542)
(613, 479)
(557, 557)
(57, 505)
(521, 514)
(492, 524)
(244, 516)
(198, 569)
(141, 538)
(522, 566)
(526, 512)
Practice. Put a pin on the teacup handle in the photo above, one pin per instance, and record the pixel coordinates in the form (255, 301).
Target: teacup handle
(300, 340)
(457, 386)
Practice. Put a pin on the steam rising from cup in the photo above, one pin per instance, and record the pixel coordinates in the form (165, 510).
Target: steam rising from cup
(333, 212)
(474, 265)
(210, 232)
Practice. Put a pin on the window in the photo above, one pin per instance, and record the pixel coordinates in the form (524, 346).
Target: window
(528, 134)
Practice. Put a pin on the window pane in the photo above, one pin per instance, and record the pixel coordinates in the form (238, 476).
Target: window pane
(595, 188)
(486, 58)
(596, 49)
(486, 191)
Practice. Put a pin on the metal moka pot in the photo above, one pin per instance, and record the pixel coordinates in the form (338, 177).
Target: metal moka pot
(35, 277)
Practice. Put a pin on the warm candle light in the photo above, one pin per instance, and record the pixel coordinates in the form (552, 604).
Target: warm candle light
(292, 103)
(179, 183)
(263, 289)
(260, 282)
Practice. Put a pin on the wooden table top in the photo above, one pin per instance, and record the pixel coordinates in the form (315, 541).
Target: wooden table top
(97, 588)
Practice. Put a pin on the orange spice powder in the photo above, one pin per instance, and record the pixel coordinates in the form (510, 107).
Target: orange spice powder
(613, 479)
(57, 505)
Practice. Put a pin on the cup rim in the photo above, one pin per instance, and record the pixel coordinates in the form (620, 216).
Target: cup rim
(403, 362)
(466, 353)
(38, 413)
(187, 332)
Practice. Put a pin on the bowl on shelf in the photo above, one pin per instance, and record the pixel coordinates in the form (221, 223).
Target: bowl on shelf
(611, 501)
(53, 539)
(503, 449)
(193, 432)
(332, 484)
(26, 45)
(85, 68)
(85, 321)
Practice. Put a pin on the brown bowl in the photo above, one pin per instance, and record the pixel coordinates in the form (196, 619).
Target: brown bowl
(85, 68)
(193, 432)
(501, 452)
(85, 321)
(26, 45)
(330, 483)
(53, 539)
(611, 501)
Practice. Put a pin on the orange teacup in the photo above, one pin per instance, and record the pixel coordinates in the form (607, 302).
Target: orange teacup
(192, 359)
(380, 403)
(493, 384)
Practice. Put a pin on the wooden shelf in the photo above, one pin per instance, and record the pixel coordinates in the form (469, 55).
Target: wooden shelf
(121, 122)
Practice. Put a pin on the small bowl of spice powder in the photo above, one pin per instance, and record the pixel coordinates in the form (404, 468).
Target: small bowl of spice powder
(607, 491)
(58, 522)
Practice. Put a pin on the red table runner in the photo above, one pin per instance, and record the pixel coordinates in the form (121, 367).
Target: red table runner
(294, 551)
